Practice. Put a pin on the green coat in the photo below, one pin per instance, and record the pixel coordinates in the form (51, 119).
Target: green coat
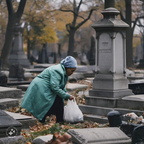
(42, 91)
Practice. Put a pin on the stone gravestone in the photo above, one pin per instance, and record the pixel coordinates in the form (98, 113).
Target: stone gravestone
(7, 122)
(9, 129)
(99, 136)
(16, 72)
(110, 65)
(43, 57)
(17, 55)
(3, 79)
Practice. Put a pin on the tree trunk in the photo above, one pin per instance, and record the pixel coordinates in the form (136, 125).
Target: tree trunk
(13, 18)
(7, 43)
(71, 42)
(129, 35)
(74, 25)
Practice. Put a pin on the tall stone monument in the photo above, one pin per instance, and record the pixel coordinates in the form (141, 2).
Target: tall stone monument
(17, 55)
(110, 79)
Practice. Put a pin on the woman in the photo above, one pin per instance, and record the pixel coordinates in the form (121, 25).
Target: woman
(46, 93)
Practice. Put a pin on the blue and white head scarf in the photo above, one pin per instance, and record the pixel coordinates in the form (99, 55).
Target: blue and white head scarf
(69, 62)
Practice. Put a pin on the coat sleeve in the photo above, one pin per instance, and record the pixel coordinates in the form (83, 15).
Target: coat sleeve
(55, 80)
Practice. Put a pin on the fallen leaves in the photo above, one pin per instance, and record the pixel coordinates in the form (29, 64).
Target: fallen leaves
(51, 127)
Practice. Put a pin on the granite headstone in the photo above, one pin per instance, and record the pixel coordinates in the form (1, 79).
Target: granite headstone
(9, 127)
(109, 135)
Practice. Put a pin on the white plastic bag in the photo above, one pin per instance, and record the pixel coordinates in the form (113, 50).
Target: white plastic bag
(72, 113)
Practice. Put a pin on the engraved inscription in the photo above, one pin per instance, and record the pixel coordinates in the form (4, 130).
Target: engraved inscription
(105, 43)
(105, 50)
(105, 47)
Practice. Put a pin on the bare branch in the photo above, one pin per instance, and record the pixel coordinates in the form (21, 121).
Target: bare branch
(79, 5)
(65, 10)
(20, 9)
(71, 12)
(135, 22)
(90, 13)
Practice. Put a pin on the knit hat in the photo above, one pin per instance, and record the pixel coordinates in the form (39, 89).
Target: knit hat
(69, 62)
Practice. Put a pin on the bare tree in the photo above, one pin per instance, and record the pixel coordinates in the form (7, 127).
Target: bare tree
(132, 22)
(75, 25)
(13, 19)
(129, 33)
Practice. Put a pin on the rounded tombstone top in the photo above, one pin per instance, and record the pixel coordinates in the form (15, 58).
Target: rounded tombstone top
(114, 113)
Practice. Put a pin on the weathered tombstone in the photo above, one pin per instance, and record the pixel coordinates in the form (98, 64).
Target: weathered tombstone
(3, 79)
(9, 129)
(110, 79)
(17, 55)
(138, 135)
(43, 57)
(99, 136)
(16, 71)
(26, 121)
(9, 92)
(128, 128)
(114, 118)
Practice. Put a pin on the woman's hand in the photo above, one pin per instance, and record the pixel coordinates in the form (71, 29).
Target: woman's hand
(71, 97)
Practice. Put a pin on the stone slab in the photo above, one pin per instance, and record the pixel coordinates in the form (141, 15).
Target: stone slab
(83, 68)
(96, 118)
(8, 102)
(90, 79)
(99, 114)
(23, 87)
(137, 81)
(42, 65)
(26, 121)
(110, 93)
(6, 120)
(18, 116)
(135, 97)
(42, 139)
(13, 140)
(69, 87)
(137, 71)
(15, 83)
(109, 135)
(35, 70)
(140, 76)
(76, 76)
(75, 86)
(6, 92)
(9, 124)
